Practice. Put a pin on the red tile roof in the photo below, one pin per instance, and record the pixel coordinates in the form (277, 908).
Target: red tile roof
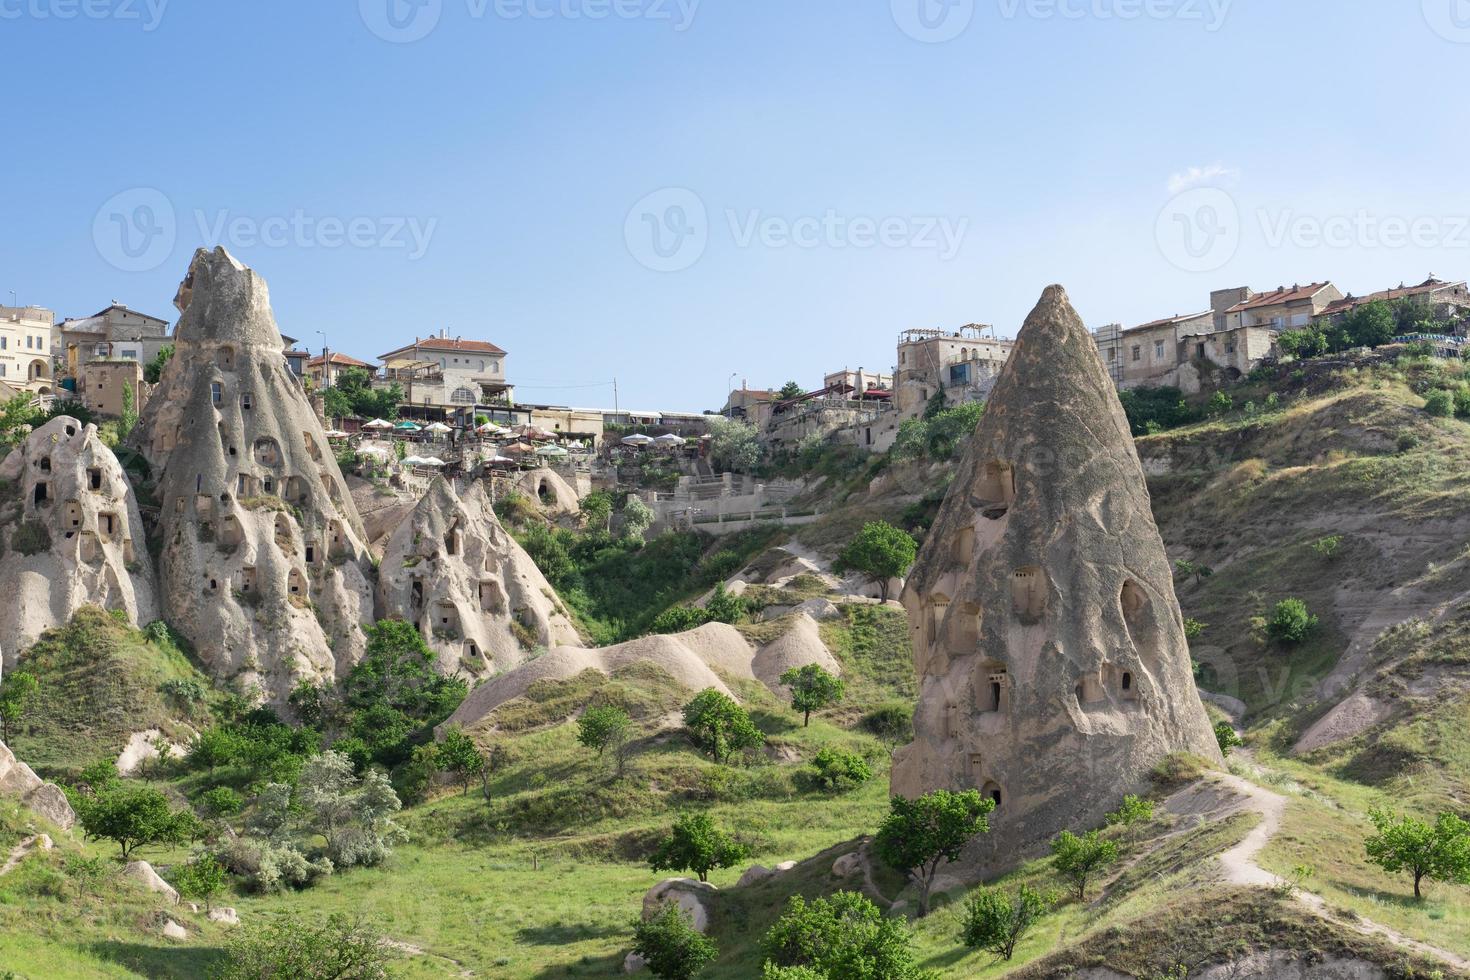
(1430, 285)
(447, 344)
(342, 360)
(1167, 321)
(1294, 294)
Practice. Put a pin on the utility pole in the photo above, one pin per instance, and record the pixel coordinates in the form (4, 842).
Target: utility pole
(326, 361)
(615, 396)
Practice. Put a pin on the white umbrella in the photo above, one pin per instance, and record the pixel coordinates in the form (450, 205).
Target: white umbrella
(378, 424)
(551, 451)
(638, 439)
(492, 429)
(413, 461)
(438, 427)
(376, 451)
(668, 440)
(337, 434)
(431, 461)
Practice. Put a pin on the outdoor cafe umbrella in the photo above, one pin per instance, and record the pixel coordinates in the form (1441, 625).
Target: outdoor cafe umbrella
(407, 426)
(638, 439)
(413, 461)
(535, 432)
(437, 428)
(431, 461)
(378, 424)
(337, 434)
(551, 451)
(520, 448)
(668, 439)
(375, 451)
(492, 429)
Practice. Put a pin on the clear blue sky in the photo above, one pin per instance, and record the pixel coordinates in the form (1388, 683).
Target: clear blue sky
(1052, 134)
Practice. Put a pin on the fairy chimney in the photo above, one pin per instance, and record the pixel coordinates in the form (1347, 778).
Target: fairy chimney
(262, 563)
(1047, 638)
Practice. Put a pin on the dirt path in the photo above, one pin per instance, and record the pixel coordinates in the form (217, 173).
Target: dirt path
(18, 852)
(1240, 867)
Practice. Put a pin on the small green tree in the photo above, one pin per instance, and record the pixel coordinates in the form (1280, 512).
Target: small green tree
(201, 879)
(1436, 852)
(812, 689)
(696, 844)
(719, 726)
(86, 872)
(1291, 622)
(1370, 325)
(724, 606)
(1227, 737)
(1135, 809)
(292, 946)
(919, 835)
(16, 691)
(153, 370)
(1194, 629)
(1192, 569)
(1080, 859)
(837, 771)
(843, 937)
(128, 418)
(220, 803)
(597, 508)
(734, 444)
(881, 552)
(638, 517)
(997, 922)
(791, 390)
(606, 727)
(459, 757)
(1220, 404)
(1439, 403)
(671, 946)
(134, 817)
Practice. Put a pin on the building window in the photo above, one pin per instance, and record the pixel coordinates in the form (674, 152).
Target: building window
(463, 396)
(216, 393)
(1230, 347)
(1137, 353)
(1158, 348)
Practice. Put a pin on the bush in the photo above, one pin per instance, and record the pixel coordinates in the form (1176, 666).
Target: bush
(837, 771)
(1290, 621)
(844, 937)
(1220, 403)
(1152, 410)
(221, 803)
(292, 947)
(996, 922)
(892, 722)
(1227, 737)
(670, 945)
(1135, 809)
(724, 607)
(31, 538)
(1439, 403)
(270, 867)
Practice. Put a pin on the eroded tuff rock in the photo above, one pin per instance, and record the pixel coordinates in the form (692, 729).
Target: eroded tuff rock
(73, 535)
(478, 599)
(1048, 641)
(262, 563)
(19, 782)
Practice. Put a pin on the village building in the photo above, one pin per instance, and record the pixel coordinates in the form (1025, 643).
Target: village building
(752, 404)
(859, 383)
(1284, 308)
(1449, 300)
(104, 383)
(446, 375)
(324, 368)
(963, 364)
(115, 332)
(27, 335)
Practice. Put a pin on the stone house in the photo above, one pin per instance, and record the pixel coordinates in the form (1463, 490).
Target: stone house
(1145, 354)
(116, 332)
(27, 334)
(752, 404)
(1450, 300)
(324, 368)
(1284, 308)
(963, 364)
(449, 373)
(104, 380)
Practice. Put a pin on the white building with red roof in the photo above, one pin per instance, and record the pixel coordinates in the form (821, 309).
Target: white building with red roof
(449, 374)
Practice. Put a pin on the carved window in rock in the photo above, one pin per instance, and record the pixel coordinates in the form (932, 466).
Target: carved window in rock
(296, 582)
(991, 791)
(39, 495)
(446, 618)
(963, 549)
(203, 505)
(1028, 593)
(471, 651)
(127, 546)
(976, 763)
(94, 478)
(453, 540)
(416, 594)
(216, 393)
(1090, 690)
(211, 586)
(311, 554)
(492, 596)
(230, 532)
(1134, 601)
(995, 685)
(73, 516)
(44, 464)
(267, 452)
(285, 540)
(247, 579)
(295, 489)
(107, 525)
(964, 628)
(225, 358)
(937, 609)
(1127, 685)
(268, 485)
(87, 547)
(996, 490)
(336, 537)
(247, 402)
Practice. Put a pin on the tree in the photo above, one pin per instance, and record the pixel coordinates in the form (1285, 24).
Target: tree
(638, 517)
(1370, 325)
(996, 922)
(671, 946)
(1220, 403)
(844, 937)
(153, 370)
(812, 689)
(354, 815)
(134, 817)
(603, 727)
(1307, 342)
(128, 418)
(1439, 403)
(201, 878)
(394, 696)
(734, 443)
(724, 606)
(881, 552)
(1195, 570)
(1438, 852)
(1227, 737)
(221, 803)
(1135, 809)
(791, 390)
(719, 726)
(458, 755)
(834, 770)
(919, 835)
(17, 689)
(339, 949)
(353, 393)
(597, 508)
(696, 844)
(1290, 621)
(1080, 859)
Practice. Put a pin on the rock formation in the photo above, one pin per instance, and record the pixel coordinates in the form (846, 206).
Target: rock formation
(1047, 638)
(72, 535)
(262, 564)
(478, 599)
(19, 782)
(552, 494)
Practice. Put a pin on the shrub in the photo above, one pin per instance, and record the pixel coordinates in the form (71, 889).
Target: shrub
(892, 722)
(844, 937)
(724, 607)
(293, 947)
(679, 619)
(1328, 547)
(1135, 809)
(1462, 401)
(270, 867)
(996, 922)
(221, 803)
(31, 538)
(1290, 621)
(1220, 403)
(1193, 629)
(837, 771)
(604, 727)
(201, 878)
(695, 844)
(1227, 737)
(671, 946)
(1439, 403)
(719, 726)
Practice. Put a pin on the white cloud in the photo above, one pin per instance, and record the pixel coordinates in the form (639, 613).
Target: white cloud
(1194, 176)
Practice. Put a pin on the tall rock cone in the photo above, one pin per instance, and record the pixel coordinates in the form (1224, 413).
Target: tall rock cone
(262, 563)
(1048, 641)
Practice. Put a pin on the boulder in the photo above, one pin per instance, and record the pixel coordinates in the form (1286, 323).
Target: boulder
(784, 867)
(263, 566)
(688, 894)
(754, 874)
(848, 865)
(820, 609)
(475, 595)
(142, 872)
(46, 800)
(172, 930)
(1054, 672)
(632, 963)
(224, 915)
(74, 535)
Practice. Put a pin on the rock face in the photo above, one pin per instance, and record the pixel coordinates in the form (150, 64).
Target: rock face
(1047, 638)
(262, 565)
(18, 782)
(73, 535)
(478, 599)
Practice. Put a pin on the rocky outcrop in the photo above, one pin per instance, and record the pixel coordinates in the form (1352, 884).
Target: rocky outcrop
(19, 782)
(262, 564)
(479, 600)
(1047, 638)
(688, 894)
(143, 874)
(553, 494)
(72, 535)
